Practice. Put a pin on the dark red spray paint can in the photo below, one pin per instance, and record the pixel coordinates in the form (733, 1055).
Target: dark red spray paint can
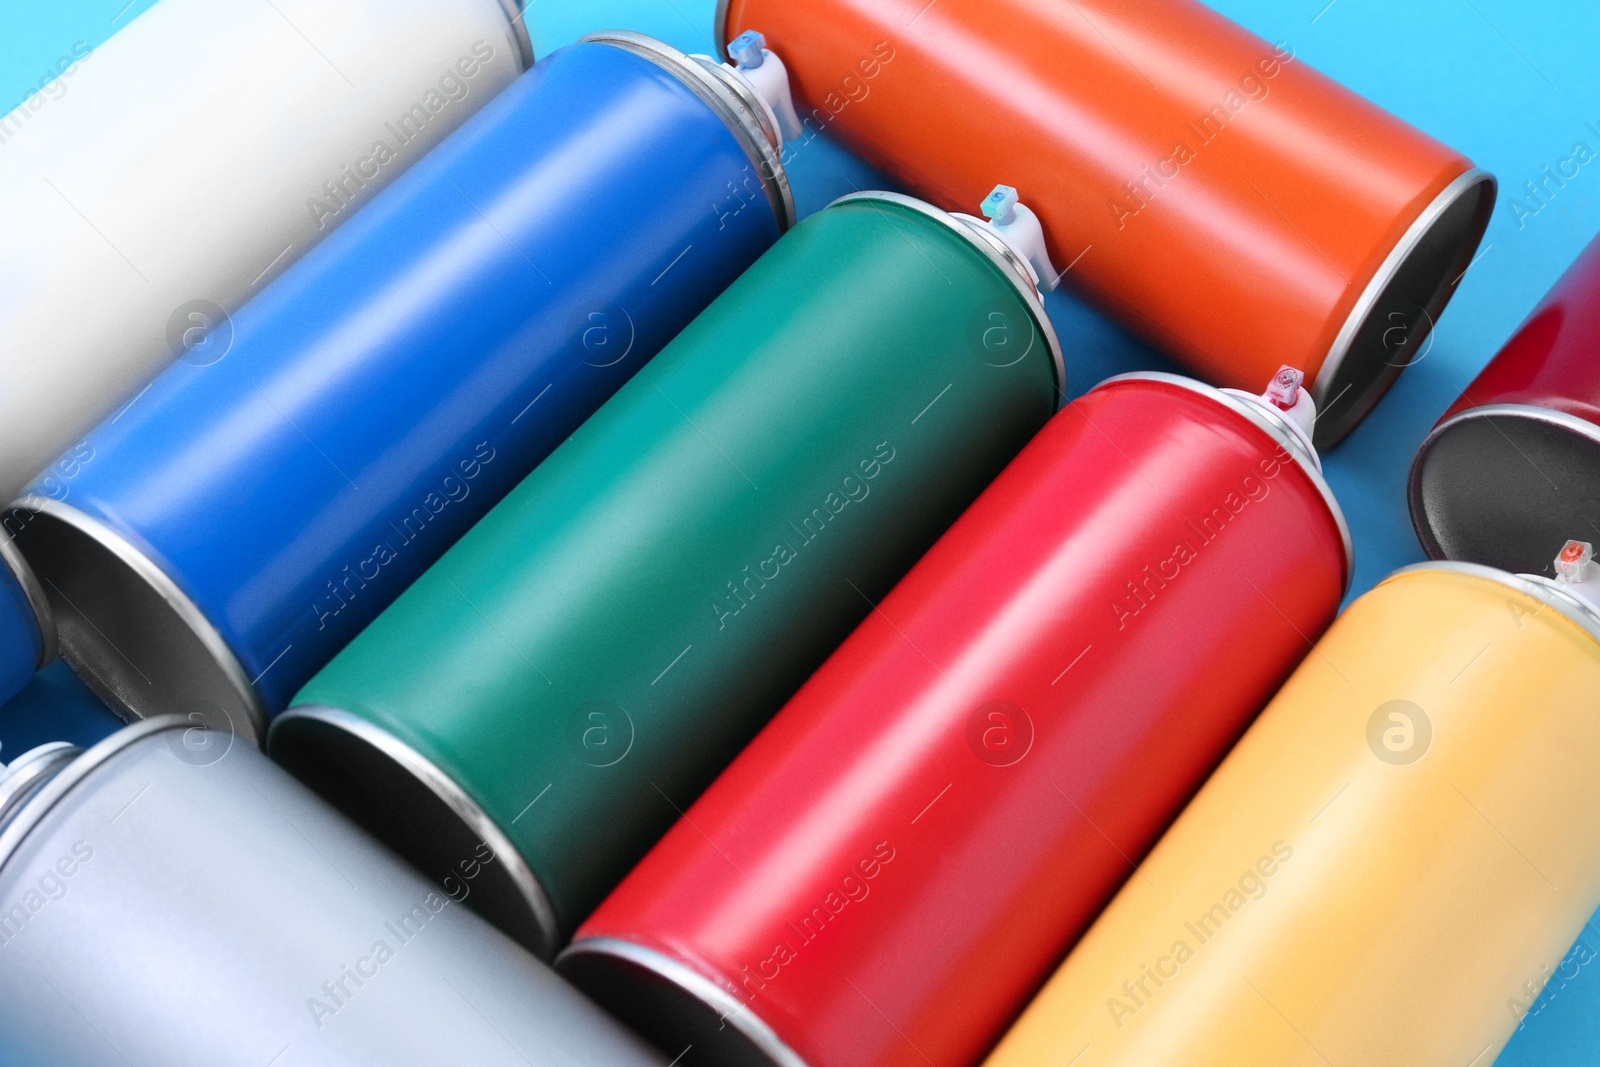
(1516, 460)
(887, 873)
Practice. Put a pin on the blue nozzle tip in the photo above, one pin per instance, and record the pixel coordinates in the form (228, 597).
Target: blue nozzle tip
(1000, 203)
(748, 49)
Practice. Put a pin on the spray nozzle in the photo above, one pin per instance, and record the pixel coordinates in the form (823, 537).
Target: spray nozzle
(1284, 390)
(1016, 224)
(1286, 397)
(762, 70)
(1000, 206)
(748, 50)
(1573, 562)
(1287, 393)
(1577, 573)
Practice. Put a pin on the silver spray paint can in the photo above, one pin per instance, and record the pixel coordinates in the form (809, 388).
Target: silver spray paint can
(170, 897)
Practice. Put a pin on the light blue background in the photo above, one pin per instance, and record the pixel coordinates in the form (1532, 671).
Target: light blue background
(1510, 84)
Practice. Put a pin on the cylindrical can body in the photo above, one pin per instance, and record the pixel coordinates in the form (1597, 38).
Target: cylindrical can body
(1513, 468)
(170, 896)
(27, 629)
(198, 152)
(54, 705)
(580, 666)
(1384, 869)
(1234, 206)
(247, 516)
(949, 801)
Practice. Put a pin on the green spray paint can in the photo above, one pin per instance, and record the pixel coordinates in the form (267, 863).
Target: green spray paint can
(566, 680)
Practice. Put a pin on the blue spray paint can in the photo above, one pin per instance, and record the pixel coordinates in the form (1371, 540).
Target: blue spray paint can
(283, 482)
(27, 636)
(55, 705)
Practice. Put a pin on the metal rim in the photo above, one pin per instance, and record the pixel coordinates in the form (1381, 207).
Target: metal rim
(30, 770)
(729, 1008)
(731, 101)
(186, 610)
(43, 619)
(998, 253)
(719, 32)
(519, 30)
(40, 804)
(455, 799)
(1574, 609)
(1272, 425)
(1419, 229)
(1425, 533)
(759, 109)
(1256, 408)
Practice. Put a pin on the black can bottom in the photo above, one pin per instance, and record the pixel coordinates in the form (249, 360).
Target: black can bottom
(396, 795)
(1506, 485)
(127, 629)
(1392, 322)
(673, 1007)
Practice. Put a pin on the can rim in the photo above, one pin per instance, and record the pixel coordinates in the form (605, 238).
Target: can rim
(183, 608)
(1000, 255)
(1273, 426)
(1550, 416)
(30, 772)
(43, 800)
(1344, 341)
(455, 799)
(729, 1008)
(1574, 609)
(44, 619)
(516, 10)
(730, 100)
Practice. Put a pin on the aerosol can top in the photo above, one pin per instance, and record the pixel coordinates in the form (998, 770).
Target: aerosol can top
(1007, 217)
(1286, 398)
(762, 70)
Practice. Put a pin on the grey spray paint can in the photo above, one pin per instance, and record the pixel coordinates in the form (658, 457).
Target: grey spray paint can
(170, 897)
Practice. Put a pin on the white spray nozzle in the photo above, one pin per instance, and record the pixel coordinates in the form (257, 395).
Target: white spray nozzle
(1576, 571)
(1574, 563)
(768, 78)
(1016, 224)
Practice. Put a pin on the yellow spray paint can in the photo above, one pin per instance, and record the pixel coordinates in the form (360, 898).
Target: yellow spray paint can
(1386, 868)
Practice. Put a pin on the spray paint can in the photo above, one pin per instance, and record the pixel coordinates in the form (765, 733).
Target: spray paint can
(580, 666)
(253, 510)
(899, 859)
(1183, 167)
(170, 896)
(27, 632)
(1518, 455)
(1386, 867)
(54, 706)
(169, 174)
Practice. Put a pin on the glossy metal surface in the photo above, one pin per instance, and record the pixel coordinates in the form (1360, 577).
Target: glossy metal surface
(1385, 869)
(247, 517)
(1237, 208)
(889, 870)
(202, 150)
(596, 649)
(1512, 470)
(172, 897)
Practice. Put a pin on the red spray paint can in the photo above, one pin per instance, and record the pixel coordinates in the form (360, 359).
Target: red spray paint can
(887, 873)
(1514, 464)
